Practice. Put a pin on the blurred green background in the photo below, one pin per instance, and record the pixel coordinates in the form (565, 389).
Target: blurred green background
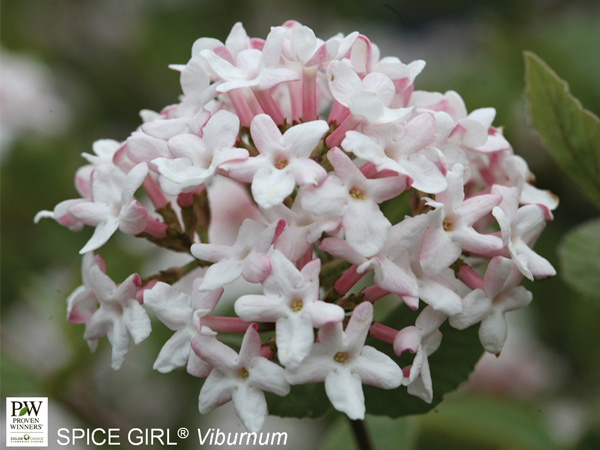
(101, 61)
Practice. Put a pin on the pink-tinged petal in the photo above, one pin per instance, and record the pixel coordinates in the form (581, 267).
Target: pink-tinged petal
(331, 338)
(407, 234)
(425, 174)
(343, 82)
(494, 143)
(529, 262)
(166, 129)
(181, 173)
(89, 213)
(99, 324)
(422, 386)
(265, 134)
(211, 252)
(366, 227)
(260, 308)
(221, 130)
(382, 189)
(214, 352)
(82, 304)
(474, 242)
(364, 147)
(515, 299)
(493, 331)
(228, 155)
(302, 43)
(119, 340)
(176, 351)
(344, 390)
(285, 280)
(271, 77)
(306, 172)
(224, 69)
(144, 148)
(171, 306)
(408, 338)
(128, 289)
(476, 305)
(532, 195)
(418, 133)
(367, 105)
(377, 369)
(134, 180)
(440, 297)
(220, 274)
(250, 406)
(302, 139)
(250, 346)
(256, 268)
(203, 303)
(137, 321)
(295, 338)
(104, 288)
(268, 376)
(194, 80)
(358, 327)
(101, 235)
(381, 85)
(397, 277)
(133, 218)
(496, 275)
(314, 369)
(438, 250)
(271, 186)
(476, 207)
(329, 199)
(216, 391)
(189, 146)
(529, 223)
(344, 168)
(196, 366)
(341, 249)
(322, 313)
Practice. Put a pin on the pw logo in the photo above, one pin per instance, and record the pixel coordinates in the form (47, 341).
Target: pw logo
(25, 408)
(26, 422)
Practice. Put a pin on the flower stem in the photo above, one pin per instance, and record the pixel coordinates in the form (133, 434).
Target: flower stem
(360, 434)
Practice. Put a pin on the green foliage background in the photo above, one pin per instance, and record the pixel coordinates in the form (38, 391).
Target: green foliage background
(110, 59)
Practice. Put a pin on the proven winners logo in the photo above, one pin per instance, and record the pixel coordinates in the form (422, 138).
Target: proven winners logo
(27, 421)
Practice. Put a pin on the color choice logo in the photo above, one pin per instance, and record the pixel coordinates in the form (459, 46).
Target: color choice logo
(27, 421)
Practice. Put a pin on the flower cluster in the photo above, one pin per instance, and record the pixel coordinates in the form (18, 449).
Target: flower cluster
(314, 172)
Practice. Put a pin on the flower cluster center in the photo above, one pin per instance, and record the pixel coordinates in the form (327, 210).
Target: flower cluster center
(297, 304)
(340, 357)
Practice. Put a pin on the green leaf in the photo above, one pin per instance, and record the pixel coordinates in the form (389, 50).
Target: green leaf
(570, 133)
(23, 411)
(303, 401)
(478, 422)
(450, 366)
(579, 254)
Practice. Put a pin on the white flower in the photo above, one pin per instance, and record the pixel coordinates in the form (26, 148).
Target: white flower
(423, 339)
(283, 161)
(247, 257)
(112, 205)
(501, 293)
(119, 315)
(183, 314)
(196, 159)
(241, 378)
(344, 362)
(291, 300)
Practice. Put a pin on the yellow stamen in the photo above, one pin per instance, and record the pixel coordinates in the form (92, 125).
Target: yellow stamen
(357, 194)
